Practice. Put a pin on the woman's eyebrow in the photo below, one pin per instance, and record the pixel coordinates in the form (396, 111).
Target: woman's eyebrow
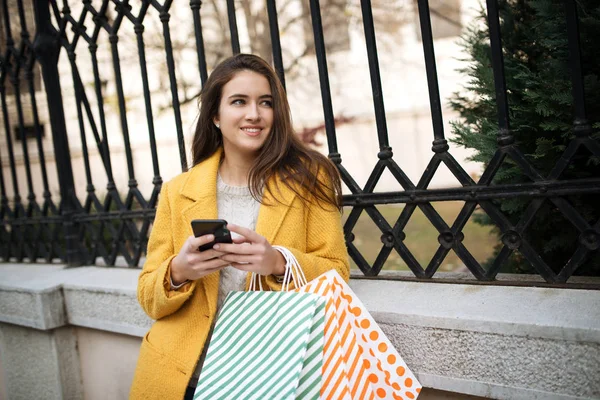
(245, 96)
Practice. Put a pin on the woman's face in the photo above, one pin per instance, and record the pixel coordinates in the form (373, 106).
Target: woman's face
(245, 113)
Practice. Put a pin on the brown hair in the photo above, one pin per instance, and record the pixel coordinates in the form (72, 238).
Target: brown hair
(312, 176)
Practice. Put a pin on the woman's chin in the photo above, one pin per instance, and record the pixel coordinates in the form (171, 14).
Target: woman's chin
(247, 149)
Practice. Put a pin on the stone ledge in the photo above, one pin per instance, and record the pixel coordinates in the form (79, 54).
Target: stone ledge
(105, 299)
(106, 311)
(50, 296)
(30, 295)
(567, 314)
(499, 342)
(488, 390)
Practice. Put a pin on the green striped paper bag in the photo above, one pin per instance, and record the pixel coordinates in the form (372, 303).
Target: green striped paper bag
(265, 345)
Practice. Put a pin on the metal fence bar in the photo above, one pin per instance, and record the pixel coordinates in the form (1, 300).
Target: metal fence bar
(139, 30)
(104, 147)
(17, 207)
(18, 229)
(38, 129)
(315, 13)
(90, 116)
(439, 144)
(195, 6)
(275, 43)
(378, 105)
(11, 154)
(47, 47)
(4, 198)
(16, 81)
(98, 19)
(164, 17)
(26, 162)
(385, 154)
(334, 155)
(141, 238)
(504, 136)
(235, 40)
(114, 39)
(5, 212)
(79, 93)
(581, 125)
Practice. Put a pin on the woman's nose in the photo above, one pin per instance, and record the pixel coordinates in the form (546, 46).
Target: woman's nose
(253, 113)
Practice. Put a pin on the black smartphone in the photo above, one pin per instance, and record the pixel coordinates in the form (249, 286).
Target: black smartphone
(217, 227)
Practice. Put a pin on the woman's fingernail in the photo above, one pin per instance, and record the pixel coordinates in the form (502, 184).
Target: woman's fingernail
(216, 246)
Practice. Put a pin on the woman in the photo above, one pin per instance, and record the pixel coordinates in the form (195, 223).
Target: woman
(251, 170)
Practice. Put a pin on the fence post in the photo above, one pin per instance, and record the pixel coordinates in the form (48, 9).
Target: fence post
(47, 47)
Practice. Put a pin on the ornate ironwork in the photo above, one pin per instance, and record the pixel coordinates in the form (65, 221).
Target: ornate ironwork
(116, 226)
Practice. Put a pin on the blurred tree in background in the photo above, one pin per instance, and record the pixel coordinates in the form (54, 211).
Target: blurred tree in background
(536, 57)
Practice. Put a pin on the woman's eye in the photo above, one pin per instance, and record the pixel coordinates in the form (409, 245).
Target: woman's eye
(237, 102)
(267, 103)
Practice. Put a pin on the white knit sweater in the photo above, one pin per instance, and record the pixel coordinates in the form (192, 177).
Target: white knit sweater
(236, 205)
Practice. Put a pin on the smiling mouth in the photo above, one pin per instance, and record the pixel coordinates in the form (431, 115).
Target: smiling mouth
(252, 131)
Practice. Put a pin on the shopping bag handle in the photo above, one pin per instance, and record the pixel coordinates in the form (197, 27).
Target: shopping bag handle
(253, 282)
(293, 272)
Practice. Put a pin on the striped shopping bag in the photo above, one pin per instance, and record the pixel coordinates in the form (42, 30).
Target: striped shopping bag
(359, 361)
(265, 345)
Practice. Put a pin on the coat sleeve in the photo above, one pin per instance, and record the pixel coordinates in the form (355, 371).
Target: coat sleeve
(153, 291)
(325, 245)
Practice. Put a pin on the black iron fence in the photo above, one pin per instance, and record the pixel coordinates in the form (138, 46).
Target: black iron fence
(115, 224)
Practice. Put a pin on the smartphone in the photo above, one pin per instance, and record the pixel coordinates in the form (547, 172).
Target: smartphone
(217, 227)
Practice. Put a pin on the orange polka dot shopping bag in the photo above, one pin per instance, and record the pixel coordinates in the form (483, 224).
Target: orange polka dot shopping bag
(359, 361)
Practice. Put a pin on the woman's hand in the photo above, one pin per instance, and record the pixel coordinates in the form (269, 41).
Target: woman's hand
(191, 264)
(251, 252)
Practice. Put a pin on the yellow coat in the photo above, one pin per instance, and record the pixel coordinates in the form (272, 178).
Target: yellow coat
(173, 344)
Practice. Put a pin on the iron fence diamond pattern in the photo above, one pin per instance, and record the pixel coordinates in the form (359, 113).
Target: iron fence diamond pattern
(115, 227)
(109, 226)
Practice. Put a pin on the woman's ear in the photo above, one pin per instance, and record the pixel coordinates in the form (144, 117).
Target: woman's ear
(216, 122)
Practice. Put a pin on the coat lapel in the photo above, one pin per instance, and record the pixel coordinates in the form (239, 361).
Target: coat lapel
(274, 209)
(201, 188)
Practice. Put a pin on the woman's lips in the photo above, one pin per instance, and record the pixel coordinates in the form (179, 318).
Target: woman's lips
(252, 131)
